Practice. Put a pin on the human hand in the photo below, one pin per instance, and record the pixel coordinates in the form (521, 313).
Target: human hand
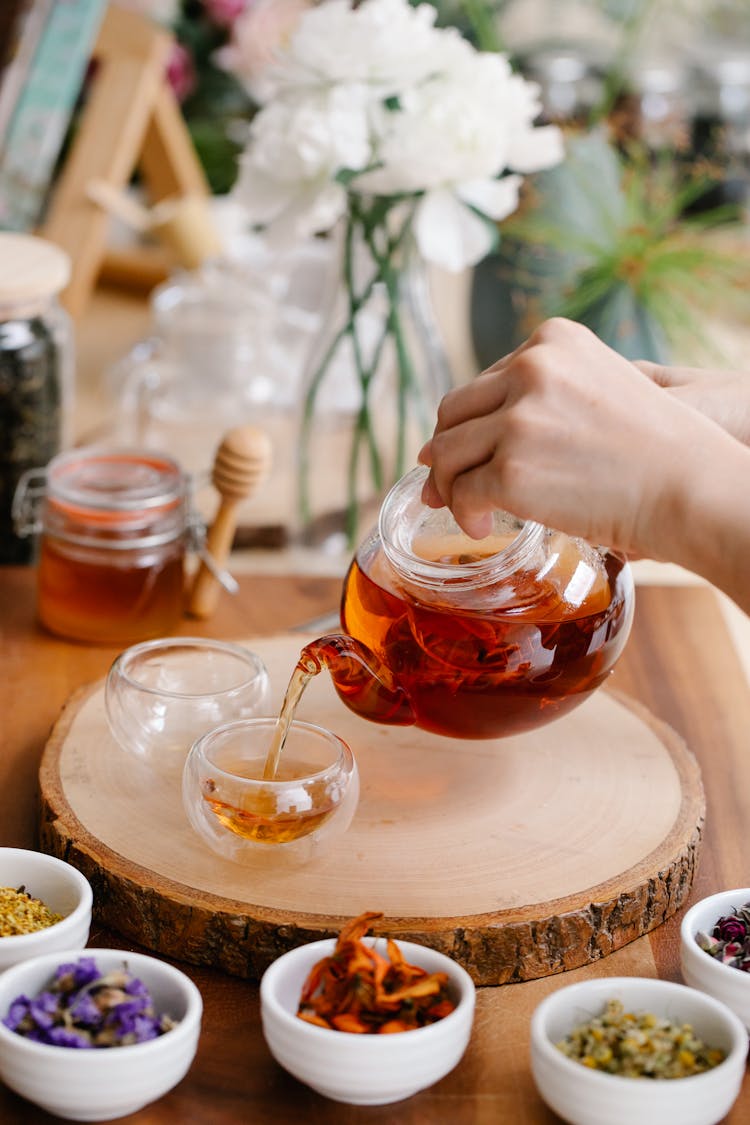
(567, 432)
(723, 396)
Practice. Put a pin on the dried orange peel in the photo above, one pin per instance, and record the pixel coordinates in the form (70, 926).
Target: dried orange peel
(356, 989)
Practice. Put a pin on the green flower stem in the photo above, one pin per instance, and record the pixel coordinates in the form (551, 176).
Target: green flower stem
(369, 222)
(363, 426)
(405, 369)
(364, 429)
(312, 394)
(390, 277)
(364, 422)
(480, 14)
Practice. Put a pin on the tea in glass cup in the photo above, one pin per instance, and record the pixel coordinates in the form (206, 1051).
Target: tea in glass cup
(245, 815)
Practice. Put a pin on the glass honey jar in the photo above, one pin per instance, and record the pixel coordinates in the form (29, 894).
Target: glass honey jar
(114, 527)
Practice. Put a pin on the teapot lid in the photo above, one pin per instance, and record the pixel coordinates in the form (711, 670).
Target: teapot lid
(429, 546)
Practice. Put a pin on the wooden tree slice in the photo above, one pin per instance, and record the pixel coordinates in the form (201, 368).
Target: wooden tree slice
(519, 857)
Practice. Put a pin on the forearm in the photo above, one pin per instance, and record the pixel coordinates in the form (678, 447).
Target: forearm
(714, 514)
(723, 396)
(567, 432)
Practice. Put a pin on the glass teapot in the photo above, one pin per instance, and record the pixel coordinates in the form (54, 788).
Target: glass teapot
(473, 638)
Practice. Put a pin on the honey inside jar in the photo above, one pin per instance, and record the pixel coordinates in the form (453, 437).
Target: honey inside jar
(106, 601)
(112, 547)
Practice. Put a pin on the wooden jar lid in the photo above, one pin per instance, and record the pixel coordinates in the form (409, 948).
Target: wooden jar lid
(31, 271)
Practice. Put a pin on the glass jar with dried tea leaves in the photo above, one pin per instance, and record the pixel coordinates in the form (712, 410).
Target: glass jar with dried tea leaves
(36, 368)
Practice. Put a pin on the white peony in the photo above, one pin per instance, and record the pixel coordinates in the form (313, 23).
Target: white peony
(456, 133)
(377, 101)
(385, 44)
(262, 30)
(287, 177)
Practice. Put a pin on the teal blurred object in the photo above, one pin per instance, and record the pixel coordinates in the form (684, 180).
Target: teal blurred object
(505, 311)
(40, 88)
(578, 217)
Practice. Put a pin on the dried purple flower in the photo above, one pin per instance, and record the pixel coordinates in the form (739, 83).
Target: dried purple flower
(43, 1010)
(67, 1037)
(72, 976)
(17, 1012)
(136, 987)
(83, 1008)
(143, 1028)
(124, 1015)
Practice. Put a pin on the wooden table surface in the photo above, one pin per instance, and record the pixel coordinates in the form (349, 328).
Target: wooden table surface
(679, 662)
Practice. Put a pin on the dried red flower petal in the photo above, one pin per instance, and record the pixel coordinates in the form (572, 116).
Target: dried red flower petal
(358, 990)
(729, 941)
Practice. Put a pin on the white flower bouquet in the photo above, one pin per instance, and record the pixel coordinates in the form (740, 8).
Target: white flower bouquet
(403, 132)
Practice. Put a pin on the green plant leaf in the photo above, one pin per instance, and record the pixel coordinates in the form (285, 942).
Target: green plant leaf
(604, 239)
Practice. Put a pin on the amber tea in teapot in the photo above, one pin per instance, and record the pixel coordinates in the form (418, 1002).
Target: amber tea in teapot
(473, 639)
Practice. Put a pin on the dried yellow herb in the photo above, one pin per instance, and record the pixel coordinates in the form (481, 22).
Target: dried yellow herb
(20, 913)
(638, 1045)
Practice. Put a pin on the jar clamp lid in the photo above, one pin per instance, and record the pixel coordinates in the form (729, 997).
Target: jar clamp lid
(117, 499)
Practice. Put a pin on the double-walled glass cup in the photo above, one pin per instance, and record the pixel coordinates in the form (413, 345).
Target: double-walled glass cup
(295, 814)
(162, 695)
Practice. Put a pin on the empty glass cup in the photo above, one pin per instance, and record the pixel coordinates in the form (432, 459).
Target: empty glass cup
(160, 696)
(296, 814)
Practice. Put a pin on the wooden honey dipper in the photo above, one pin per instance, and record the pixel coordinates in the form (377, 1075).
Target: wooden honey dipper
(242, 460)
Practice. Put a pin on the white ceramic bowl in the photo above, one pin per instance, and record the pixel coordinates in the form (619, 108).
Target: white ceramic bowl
(108, 1082)
(363, 1069)
(60, 887)
(590, 1097)
(700, 969)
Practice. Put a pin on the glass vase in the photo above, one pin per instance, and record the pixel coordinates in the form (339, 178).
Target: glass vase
(371, 386)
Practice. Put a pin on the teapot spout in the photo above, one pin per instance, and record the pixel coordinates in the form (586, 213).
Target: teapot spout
(361, 680)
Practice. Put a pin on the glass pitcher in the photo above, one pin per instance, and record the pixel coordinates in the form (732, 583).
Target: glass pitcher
(203, 369)
(228, 347)
(473, 638)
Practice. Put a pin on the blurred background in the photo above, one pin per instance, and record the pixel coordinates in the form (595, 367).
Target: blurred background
(123, 128)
